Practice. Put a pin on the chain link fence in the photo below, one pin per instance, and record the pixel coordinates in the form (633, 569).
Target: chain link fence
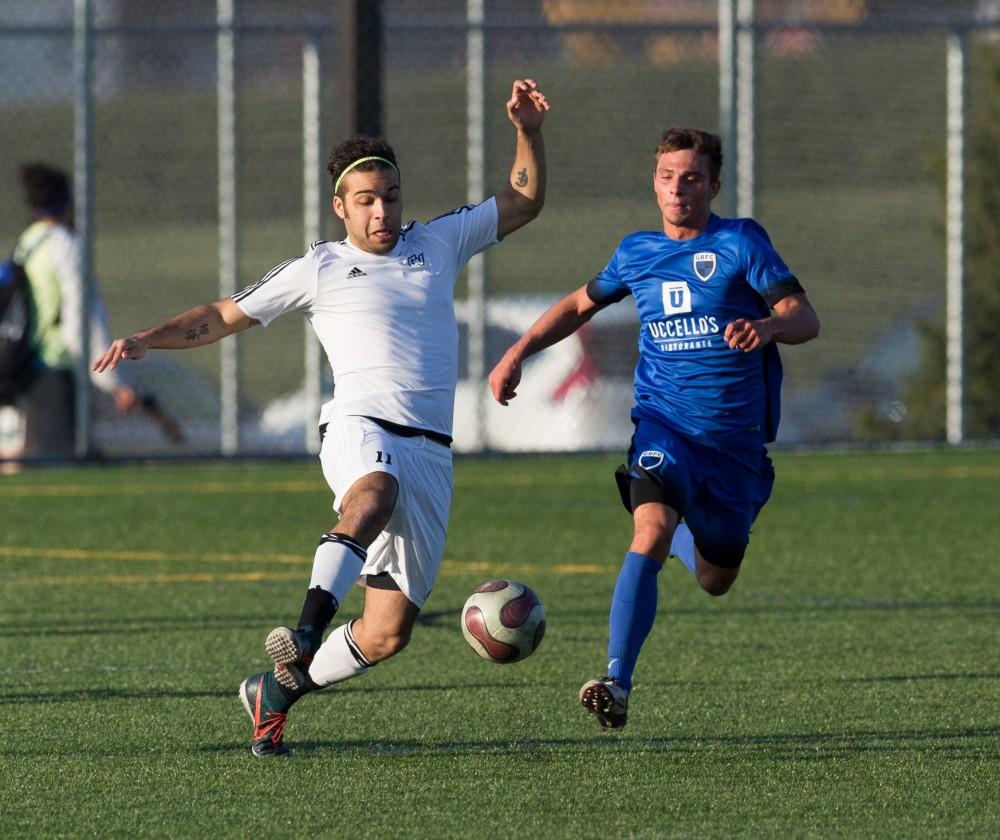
(849, 131)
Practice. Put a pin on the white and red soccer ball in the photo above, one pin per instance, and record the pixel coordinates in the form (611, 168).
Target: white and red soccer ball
(503, 621)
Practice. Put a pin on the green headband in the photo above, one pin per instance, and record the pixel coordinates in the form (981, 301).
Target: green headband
(358, 162)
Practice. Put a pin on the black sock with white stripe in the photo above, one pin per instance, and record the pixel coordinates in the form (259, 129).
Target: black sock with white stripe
(336, 565)
(318, 611)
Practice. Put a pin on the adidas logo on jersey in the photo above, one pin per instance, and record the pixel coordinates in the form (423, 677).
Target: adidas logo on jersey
(356, 272)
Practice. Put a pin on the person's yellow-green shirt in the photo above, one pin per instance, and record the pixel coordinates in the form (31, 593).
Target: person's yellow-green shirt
(56, 289)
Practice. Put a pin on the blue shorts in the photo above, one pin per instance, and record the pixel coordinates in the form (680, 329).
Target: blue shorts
(717, 493)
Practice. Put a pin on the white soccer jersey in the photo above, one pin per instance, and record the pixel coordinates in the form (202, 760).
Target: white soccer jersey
(387, 322)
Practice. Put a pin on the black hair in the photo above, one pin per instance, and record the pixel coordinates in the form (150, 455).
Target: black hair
(356, 148)
(46, 189)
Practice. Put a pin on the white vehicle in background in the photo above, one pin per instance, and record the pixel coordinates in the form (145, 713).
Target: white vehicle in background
(574, 396)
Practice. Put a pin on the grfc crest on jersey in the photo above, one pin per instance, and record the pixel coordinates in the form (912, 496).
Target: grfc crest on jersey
(650, 459)
(676, 297)
(704, 265)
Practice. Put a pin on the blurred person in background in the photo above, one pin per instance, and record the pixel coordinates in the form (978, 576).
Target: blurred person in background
(48, 252)
(713, 298)
(381, 302)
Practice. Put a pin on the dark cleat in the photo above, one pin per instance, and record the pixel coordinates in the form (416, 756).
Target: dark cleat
(268, 709)
(607, 701)
(292, 652)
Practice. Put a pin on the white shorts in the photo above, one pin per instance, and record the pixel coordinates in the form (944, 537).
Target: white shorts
(412, 544)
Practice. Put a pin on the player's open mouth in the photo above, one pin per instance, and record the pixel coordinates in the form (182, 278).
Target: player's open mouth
(382, 235)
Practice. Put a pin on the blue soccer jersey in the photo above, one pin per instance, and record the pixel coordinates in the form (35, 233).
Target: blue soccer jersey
(686, 293)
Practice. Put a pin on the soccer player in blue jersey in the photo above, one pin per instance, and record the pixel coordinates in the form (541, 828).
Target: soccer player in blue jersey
(713, 298)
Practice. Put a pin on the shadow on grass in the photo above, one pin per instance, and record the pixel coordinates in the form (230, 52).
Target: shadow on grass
(116, 695)
(973, 742)
(179, 623)
(449, 619)
(111, 695)
(917, 678)
(99, 694)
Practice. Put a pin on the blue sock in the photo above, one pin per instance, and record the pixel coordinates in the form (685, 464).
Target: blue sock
(633, 610)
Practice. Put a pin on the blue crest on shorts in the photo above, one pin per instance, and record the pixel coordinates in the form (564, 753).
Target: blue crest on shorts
(704, 265)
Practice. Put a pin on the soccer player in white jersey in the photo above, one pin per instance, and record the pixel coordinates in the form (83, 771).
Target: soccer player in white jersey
(381, 302)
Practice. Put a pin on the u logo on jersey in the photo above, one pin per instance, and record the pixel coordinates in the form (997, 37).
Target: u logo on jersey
(676, 297)
(704, 265)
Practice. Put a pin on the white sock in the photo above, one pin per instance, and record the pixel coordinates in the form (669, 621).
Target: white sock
(339, 658)
(336, 565)
(682, 547)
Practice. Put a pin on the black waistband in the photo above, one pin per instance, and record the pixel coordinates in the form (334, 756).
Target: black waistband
(402, 431)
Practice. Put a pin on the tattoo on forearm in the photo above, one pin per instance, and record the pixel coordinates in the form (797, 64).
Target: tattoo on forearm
(522, 178)
(195, 333)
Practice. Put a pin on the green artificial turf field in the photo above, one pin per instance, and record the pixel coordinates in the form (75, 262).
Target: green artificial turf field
(846, 687)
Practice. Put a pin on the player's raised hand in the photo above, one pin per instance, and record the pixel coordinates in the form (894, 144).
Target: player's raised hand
(121, 348)
(527, 105)
(504, 379)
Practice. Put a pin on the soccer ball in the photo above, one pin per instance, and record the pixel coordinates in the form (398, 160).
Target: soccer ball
(503, 621)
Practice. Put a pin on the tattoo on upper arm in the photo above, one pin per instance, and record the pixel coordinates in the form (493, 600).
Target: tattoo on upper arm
(522, 178)
(195, 333)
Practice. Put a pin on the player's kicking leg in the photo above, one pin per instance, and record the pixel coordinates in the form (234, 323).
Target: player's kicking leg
(339, 558)
(382, 631)
(338, 561)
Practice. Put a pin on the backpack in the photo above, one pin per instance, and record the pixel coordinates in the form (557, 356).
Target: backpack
(19, 362)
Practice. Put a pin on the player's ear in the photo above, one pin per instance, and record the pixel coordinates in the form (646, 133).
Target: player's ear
(338, 206)
(713, 189)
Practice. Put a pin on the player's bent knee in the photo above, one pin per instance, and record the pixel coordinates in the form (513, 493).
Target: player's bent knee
(723, 558)
(387, 645)
(717, 582)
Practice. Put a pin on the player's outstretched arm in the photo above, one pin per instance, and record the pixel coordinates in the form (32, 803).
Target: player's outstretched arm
(525, 194)
(794, 322)
(202, 325)
(560, 320)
